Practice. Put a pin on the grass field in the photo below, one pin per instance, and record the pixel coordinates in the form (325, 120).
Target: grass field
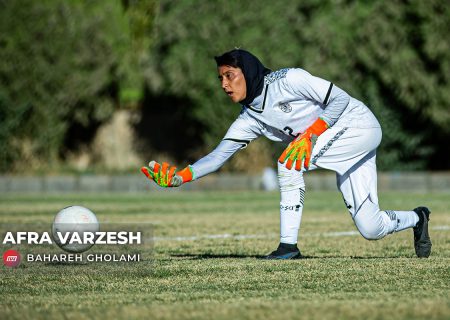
(204, 262)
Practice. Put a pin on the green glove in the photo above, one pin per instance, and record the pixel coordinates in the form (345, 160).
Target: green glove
(166, 175)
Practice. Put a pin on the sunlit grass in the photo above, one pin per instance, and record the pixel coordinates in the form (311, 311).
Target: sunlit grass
(205, 262)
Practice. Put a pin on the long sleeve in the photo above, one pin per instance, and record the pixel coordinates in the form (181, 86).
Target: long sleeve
(337, 103)
(333, 99)
(215, 159)
(243, 130)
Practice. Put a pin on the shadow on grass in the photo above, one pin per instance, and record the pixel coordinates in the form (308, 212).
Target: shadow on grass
(202, 256)
(66, 263)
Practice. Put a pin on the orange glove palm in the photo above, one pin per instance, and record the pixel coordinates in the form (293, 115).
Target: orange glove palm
(299, 150)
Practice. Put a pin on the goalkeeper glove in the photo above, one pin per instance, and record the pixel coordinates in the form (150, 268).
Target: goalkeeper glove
(166, 175)
(299, 150)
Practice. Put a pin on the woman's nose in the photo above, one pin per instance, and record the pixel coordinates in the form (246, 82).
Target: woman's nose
(224, 84)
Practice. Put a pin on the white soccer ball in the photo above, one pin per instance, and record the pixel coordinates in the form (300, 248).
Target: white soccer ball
(74, 219)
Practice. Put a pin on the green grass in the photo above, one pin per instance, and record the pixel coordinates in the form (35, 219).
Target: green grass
(211, 277)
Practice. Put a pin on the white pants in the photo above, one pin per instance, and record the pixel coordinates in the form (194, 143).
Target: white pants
(351, 153)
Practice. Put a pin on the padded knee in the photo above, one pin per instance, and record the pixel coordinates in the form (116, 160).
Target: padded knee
(290, 179)
(372, 223)
(370, 231)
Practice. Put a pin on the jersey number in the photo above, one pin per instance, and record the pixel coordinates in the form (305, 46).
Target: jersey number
(290, 132)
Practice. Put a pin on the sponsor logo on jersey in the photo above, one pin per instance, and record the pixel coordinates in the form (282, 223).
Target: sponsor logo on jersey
(285, 107)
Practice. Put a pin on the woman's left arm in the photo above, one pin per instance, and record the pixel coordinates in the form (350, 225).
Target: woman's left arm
(333, 99)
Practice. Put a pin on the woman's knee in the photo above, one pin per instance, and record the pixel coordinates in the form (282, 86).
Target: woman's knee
(289, 179)
(371, 223)
(371, 231)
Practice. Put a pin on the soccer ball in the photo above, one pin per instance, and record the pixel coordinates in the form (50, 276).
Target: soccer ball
(74, 219)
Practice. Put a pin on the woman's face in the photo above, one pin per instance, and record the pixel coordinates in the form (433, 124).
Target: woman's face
(233, 82)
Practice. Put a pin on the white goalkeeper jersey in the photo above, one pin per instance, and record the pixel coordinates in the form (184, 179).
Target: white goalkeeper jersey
(291, 101)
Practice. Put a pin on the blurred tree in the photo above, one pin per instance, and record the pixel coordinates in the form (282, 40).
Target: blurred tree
(11, 117)
(140, 15)
(60, 65)
(392, 55)
(377, 52)
(67, 65)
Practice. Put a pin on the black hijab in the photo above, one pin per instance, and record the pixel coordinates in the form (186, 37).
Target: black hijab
(253, 70)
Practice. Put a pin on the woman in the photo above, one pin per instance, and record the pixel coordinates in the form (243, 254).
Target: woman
(325, 128)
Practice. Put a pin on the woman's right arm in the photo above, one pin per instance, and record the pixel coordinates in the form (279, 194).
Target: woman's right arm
(243, 130)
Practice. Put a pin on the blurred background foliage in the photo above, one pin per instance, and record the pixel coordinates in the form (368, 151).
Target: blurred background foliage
(113, 84)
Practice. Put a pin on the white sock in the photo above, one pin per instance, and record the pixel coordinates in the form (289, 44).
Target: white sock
(291, 208)
(401, 220)
(405, 220)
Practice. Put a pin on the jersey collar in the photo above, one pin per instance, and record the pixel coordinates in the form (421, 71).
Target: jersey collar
(258, 104)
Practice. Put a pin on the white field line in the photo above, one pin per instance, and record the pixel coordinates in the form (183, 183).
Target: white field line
(267, 236)
(217, 236)
(441, 228)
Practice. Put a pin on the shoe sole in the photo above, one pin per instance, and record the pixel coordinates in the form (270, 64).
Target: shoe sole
(287, 256)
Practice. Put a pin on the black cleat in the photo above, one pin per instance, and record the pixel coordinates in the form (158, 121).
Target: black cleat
(285, 251)
(422, 242)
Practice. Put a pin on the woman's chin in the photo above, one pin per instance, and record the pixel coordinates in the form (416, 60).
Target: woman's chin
(237, 100)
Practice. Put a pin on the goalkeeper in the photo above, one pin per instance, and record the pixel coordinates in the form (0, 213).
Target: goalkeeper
(323, 127)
